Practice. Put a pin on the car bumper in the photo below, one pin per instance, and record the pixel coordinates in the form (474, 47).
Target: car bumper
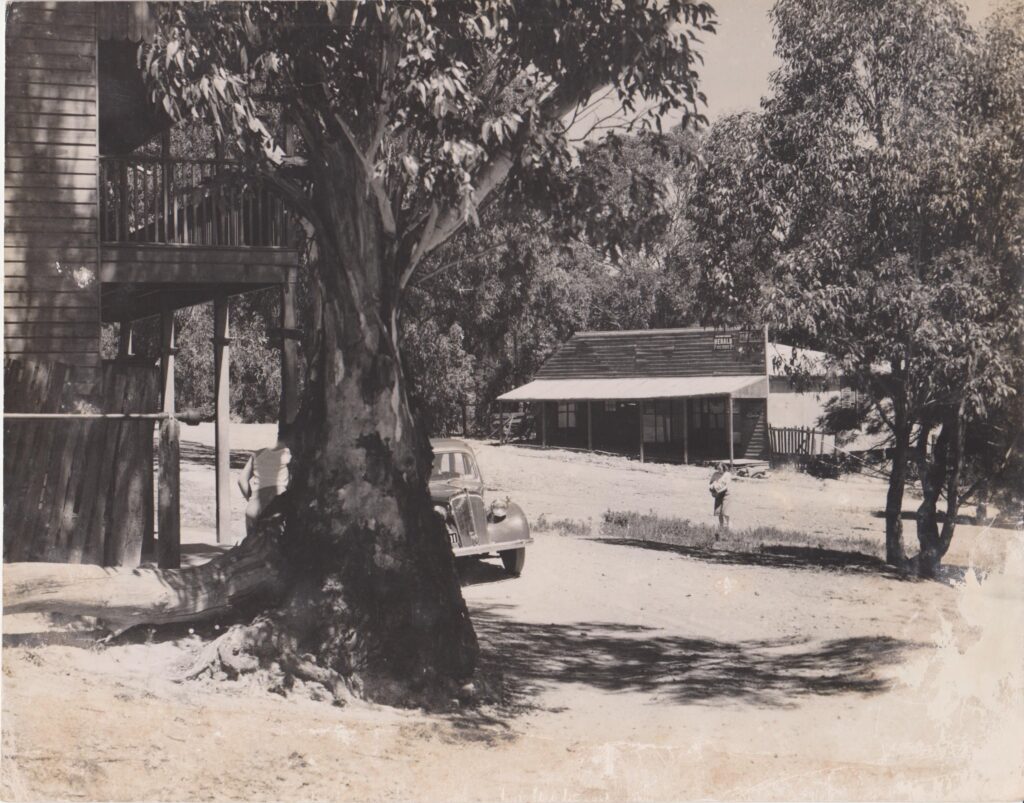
(495, 548)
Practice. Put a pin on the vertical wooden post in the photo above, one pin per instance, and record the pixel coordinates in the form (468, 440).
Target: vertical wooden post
(169, 515)
(590, 426)
(640, 409)
(729, 425)
(501, 422)
(125, 344)
(686, 430)
(289, 351)
(168, 348)
(543, 423)
(164, 228)
(222, 417)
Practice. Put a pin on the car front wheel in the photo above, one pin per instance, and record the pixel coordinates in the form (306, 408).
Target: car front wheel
(513, 560)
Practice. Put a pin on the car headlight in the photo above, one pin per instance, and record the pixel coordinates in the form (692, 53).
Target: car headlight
(498, 510)
(441, 511)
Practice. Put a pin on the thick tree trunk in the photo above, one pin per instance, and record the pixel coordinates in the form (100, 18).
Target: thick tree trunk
(930, 472)
(383, 602)
(941, 474)
(378, 569)
(894, 554)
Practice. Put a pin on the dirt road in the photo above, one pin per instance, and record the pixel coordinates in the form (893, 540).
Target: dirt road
(627, 674)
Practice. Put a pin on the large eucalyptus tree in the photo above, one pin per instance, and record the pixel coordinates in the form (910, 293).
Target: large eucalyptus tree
(408, 117)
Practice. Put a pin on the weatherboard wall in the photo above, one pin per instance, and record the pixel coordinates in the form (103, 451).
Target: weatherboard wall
(51, 288)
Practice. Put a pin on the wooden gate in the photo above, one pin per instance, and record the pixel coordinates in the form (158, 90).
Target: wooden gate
(800, 441)
(78, 490)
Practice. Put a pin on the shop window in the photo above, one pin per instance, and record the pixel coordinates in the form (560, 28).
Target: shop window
(610, 406)
(657, 422)
(709, 413)
(566, 415)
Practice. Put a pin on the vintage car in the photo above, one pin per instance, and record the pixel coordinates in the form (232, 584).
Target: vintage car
(475, 528)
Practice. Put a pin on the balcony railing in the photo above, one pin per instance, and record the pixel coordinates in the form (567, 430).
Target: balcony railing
(187, 202)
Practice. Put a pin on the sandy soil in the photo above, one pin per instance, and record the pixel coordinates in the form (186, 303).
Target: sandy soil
(628, 673)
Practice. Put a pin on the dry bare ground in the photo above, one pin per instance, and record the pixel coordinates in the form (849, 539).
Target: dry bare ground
(624, 673)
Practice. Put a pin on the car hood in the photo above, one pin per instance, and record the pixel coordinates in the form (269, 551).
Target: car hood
(443, 491)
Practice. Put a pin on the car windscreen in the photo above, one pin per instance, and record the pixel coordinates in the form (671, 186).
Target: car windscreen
(453, 465)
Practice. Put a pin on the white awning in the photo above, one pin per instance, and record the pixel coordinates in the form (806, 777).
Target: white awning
(662, 387)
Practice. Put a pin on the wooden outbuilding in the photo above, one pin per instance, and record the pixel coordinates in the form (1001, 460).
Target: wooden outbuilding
(105, 223)
(682, 395)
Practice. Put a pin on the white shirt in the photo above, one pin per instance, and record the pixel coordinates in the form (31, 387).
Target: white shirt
(270, 468)
(721, 484)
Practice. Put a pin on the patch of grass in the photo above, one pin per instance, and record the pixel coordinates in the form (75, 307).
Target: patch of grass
(629, 525)
(562, 526)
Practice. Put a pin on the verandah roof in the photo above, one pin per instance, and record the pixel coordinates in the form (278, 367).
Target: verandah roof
(741, 387)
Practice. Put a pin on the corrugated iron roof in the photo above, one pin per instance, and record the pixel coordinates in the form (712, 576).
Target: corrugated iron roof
(748, 387)
(658, 353)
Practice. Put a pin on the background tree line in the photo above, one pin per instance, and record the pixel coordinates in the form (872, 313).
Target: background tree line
(871, 209)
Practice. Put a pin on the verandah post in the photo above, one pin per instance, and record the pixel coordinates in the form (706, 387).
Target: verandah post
(125, 344)
(222, 416)
(590, 426)
(686, 428)
(289, 351)
(168, 348)
(169, 496)
(729, 427)
(640, 410)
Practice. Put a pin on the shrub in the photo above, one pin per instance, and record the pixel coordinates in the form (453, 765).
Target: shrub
(632, 526)
(831, 466)
(578, 527)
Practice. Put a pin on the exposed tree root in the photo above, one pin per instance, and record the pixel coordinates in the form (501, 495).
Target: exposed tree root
(123, 598)
(266, 646)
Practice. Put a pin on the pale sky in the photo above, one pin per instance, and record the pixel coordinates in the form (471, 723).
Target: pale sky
(739, 58)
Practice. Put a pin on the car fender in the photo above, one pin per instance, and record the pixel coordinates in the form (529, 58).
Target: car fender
(514, 527)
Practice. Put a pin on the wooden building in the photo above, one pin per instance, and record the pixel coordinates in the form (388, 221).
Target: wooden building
(681, 395)
(105, 223)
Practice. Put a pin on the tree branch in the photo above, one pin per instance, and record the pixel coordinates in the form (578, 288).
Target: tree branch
(373, 181)
(447, 265)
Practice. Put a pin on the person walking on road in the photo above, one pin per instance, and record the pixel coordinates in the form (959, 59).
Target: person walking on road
(719, 487)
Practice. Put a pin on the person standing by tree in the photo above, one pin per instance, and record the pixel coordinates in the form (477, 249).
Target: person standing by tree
(264, 478)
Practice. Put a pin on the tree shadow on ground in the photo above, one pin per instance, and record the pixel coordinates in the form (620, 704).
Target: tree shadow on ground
(476, 571)
(999, 522)
(192, 554)
(199, 454)
(779, 557)
(519, 660)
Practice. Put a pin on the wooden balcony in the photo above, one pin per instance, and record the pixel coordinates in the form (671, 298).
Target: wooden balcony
(176, 232)
(150, 200)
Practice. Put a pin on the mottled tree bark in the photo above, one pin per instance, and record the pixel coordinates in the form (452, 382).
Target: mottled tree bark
(379, 575)
(894, 553)
(940, 475)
